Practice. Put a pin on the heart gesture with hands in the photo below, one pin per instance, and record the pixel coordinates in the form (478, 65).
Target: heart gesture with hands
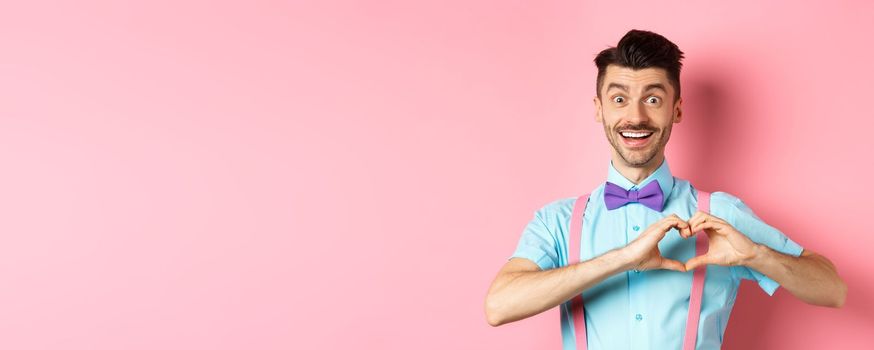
(726, 245)
(643, 253)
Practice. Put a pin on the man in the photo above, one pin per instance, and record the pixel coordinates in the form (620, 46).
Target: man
(637, 259)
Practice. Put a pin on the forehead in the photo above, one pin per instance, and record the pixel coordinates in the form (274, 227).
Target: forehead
(635, 80)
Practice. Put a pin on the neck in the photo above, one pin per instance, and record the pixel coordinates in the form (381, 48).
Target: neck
(636, 174)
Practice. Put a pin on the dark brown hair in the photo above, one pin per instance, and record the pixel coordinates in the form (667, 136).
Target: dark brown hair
(640, 49)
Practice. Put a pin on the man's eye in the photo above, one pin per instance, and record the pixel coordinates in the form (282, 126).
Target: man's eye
(618, 99)
(652, 99)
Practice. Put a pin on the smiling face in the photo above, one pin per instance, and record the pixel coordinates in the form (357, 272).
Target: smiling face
(637, 110)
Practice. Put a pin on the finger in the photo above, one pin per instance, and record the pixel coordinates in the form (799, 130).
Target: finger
(695, 222)
(694, 216)
(711, 217)
(701, 219)
(673, 220)
(670, 219)
(711, 225)
(698, 217)
(670, 264)
(664, 224)
(685, 230)
(700, 260)
(681, 225)
(715, 218)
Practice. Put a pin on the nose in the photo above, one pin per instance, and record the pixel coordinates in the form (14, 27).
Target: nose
(637, 114)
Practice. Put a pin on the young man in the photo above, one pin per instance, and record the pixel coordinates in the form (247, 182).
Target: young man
(636, 272)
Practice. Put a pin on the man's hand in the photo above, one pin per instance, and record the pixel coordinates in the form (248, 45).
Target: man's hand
(727, 246)
(643, 253)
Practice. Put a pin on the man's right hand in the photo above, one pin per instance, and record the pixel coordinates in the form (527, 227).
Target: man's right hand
(522, 289)
(643, 253)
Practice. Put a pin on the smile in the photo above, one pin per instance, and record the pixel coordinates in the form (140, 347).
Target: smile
(636, 139)
(636, 135)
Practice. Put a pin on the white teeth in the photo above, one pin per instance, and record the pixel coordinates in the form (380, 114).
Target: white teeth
(636, 134)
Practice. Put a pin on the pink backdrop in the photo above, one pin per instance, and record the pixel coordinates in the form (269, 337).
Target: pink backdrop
(279, 175)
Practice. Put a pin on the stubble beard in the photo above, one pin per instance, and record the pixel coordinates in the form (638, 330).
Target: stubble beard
(638, 158)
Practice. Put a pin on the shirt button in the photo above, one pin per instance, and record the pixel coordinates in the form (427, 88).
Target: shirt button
(636, 228)
(638, 317)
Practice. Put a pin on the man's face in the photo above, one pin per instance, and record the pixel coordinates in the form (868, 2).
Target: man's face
(637, 110)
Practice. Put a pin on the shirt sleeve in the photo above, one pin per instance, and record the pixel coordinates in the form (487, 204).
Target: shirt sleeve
(538, 243)
(739, 215)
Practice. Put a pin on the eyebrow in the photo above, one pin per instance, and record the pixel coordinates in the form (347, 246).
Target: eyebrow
(617, 86)
(655, 86)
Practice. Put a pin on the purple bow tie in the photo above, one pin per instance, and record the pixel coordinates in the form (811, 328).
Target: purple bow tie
(650, 196)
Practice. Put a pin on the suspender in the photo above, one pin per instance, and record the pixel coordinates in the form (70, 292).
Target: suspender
(575, 305)
(697, 279)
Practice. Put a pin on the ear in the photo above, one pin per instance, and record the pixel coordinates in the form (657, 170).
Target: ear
(678, 111)
(598, 116)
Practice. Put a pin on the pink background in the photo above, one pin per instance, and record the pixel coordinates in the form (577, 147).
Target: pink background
(290, 175)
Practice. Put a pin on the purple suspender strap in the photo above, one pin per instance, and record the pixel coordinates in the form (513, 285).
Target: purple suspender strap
(576, 303)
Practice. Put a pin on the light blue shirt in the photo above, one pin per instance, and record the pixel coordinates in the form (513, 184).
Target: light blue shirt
(648, 309)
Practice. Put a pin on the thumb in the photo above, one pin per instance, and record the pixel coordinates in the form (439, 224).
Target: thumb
(671, 264)
(700, 260)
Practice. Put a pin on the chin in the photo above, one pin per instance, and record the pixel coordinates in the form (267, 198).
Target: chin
(638, 161)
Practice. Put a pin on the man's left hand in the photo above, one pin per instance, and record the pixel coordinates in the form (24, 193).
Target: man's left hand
(727, 246)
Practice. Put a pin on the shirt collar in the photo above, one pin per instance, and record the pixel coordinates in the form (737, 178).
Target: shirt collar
(662, 175)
